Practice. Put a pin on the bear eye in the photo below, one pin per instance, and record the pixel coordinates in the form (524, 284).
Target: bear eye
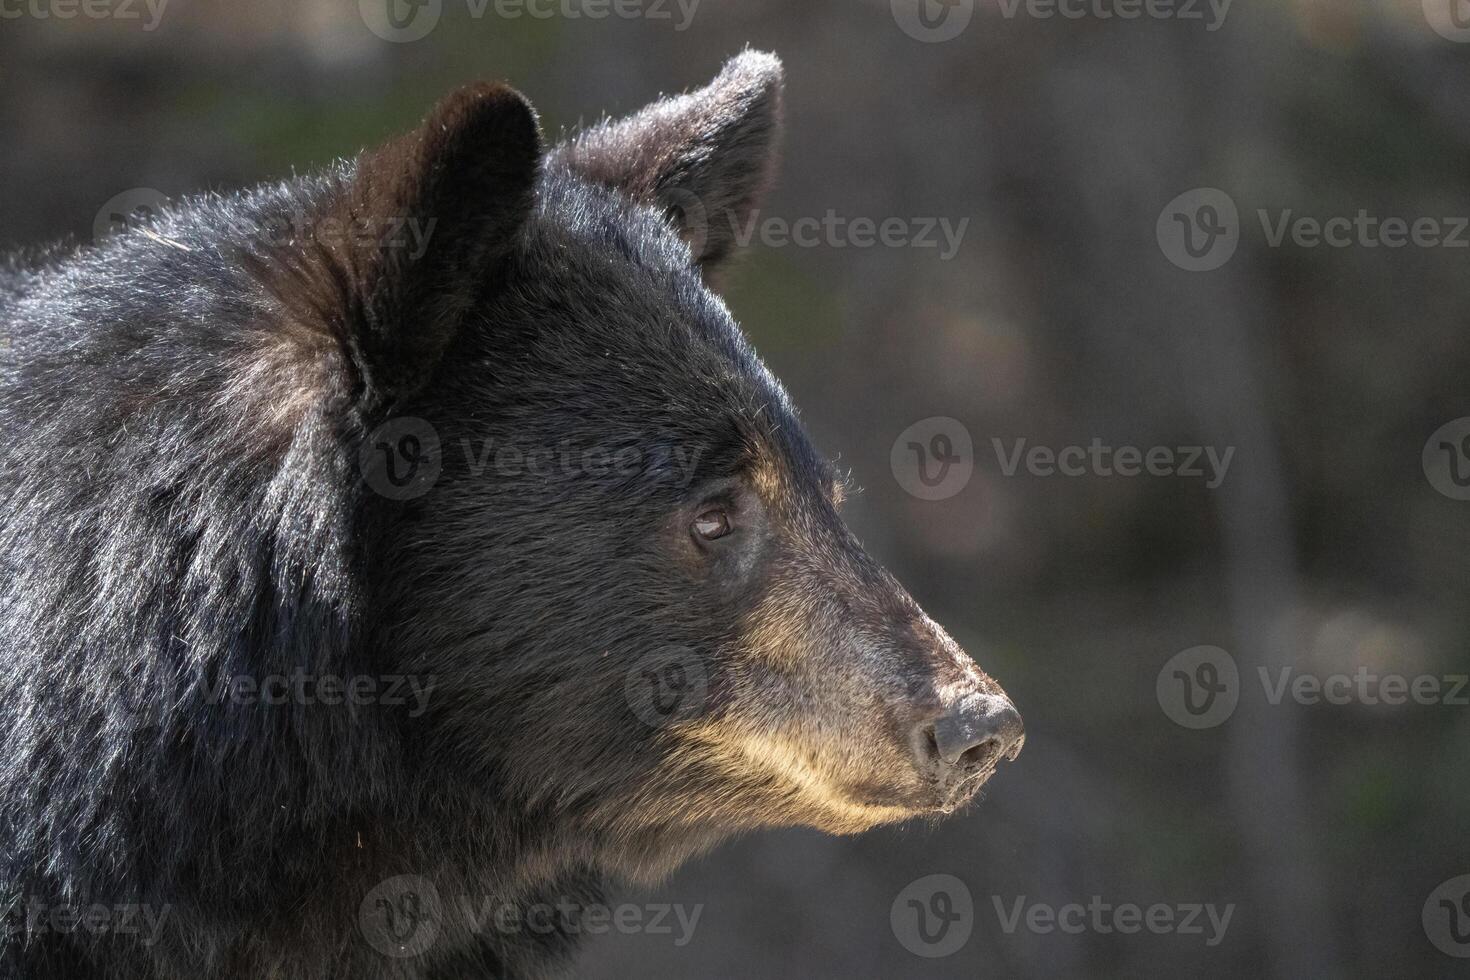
(712, 524)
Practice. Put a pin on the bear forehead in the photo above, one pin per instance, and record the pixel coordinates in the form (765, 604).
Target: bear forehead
(618, 274)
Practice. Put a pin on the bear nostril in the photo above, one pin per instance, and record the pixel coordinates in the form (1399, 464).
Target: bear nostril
(975, 756)
(931, 745)
(978, 731)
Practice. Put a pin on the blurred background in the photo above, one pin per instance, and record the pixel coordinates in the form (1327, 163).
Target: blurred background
(1125, 266)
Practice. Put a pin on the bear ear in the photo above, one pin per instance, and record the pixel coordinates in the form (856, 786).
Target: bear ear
(416, 233)
(704, 158)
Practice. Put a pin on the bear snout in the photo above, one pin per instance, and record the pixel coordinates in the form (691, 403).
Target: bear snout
(960, 742)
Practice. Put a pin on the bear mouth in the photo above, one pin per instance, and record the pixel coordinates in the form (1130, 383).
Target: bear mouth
(937, 799)
(963, 789)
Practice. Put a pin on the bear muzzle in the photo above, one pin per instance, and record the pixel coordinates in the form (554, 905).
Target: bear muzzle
(960, 744)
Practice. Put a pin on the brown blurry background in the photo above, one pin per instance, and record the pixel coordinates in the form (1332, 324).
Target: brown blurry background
(1060, 320)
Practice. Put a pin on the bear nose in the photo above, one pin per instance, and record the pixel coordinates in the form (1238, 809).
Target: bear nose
(974, 733)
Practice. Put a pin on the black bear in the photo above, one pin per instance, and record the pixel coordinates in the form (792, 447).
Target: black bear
(422, 537)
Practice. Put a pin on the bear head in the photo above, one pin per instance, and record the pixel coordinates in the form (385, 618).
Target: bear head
(603, 531)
